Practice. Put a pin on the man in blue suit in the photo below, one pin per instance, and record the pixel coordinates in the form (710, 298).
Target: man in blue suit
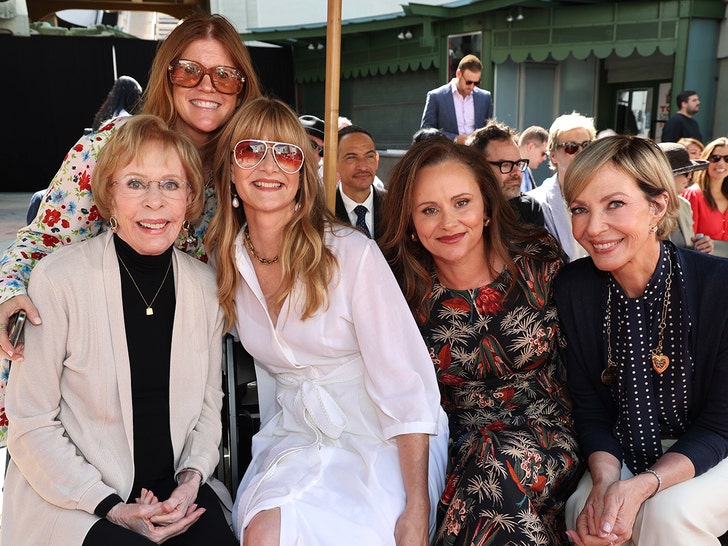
(459, 107)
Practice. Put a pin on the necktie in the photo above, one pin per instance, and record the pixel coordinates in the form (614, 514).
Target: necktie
(361, 214)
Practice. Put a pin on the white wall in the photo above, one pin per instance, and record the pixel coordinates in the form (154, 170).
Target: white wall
(253, 14)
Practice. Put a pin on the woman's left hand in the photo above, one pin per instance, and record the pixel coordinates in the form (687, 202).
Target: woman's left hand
(622, 501)
(412, 527)
(183, 496)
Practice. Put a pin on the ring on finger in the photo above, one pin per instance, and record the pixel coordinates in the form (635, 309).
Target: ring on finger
(2, 327)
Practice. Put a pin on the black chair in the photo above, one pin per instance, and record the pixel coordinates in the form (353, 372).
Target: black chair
(241, 415)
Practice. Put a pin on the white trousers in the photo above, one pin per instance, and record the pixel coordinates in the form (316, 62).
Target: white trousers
(691, 513)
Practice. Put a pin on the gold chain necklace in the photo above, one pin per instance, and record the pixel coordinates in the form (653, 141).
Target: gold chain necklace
(150, 311)
(660, 362)
(249, 244)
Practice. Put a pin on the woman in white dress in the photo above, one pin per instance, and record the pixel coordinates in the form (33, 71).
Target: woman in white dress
(353, 440)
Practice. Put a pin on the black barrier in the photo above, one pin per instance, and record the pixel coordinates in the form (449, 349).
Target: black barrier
(51, 87)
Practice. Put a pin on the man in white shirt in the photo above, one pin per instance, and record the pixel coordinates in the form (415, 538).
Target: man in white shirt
(568, 136)
(459, 107)
(358, 201)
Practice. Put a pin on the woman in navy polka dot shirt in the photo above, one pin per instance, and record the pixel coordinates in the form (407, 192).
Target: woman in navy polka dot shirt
(645, 333)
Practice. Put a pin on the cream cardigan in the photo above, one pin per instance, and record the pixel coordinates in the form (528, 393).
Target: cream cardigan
(69, 402)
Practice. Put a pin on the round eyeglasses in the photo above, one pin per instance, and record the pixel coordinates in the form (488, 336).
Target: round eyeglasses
(225, 79)
(249, 154)
(135, 187)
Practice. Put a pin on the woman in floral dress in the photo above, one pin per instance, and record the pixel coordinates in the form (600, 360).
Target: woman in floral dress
(481, 289)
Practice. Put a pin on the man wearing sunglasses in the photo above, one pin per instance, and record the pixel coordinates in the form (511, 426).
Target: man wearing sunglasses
(358, 201)
(682, 124)
(497, 143)
(459, 107)
(568, 136)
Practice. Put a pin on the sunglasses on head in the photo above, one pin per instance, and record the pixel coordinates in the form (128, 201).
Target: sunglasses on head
(225, 79)
(249, 154)
(572, 147)
(715, 158)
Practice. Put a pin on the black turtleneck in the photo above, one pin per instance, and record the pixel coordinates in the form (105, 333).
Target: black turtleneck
(149, 342)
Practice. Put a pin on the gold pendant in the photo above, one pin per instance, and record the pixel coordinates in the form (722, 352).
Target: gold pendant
(150, 311)
(660, 362)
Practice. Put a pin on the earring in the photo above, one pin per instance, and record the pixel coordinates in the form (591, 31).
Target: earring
(653, 229)
(413, 237)
(236, 201)
(114, 224)
(186, 226)
(297, 206)
(486, 222)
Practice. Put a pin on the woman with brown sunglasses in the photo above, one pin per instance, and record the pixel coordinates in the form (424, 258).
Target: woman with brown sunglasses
(201, 73)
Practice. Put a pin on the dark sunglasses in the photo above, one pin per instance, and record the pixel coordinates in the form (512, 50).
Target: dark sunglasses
(506, 167)
(572, 147)
(225, 79)
(319, 149)
(715, 158)
(472, 82)
(249, 154)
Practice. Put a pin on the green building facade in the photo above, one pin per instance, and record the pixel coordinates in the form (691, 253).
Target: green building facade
(621, 62)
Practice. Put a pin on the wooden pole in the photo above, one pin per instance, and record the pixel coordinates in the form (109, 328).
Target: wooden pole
(331, 100)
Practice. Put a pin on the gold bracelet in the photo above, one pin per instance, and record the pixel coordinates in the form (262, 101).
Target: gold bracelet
(659, 481)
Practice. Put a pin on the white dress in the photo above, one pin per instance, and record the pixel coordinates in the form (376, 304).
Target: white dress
(335, 390)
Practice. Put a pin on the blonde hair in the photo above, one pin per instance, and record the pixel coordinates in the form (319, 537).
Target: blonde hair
(304, 256)
(638, 158)
(568, 122)
(702, 178)
(129, 142)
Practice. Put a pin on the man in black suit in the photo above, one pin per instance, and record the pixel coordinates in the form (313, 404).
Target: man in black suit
(498, 144)
(358, 201)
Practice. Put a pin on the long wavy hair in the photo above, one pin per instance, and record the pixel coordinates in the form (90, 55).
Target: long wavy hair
(410, 261)
(304, 256)
(702, 178)
(158, 99)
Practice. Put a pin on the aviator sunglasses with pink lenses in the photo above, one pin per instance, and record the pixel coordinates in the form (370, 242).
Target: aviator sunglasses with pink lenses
(250, 153)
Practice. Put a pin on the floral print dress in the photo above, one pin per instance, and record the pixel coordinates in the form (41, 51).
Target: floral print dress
(513, 456)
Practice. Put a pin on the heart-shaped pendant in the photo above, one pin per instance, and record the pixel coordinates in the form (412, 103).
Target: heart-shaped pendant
(660, 363)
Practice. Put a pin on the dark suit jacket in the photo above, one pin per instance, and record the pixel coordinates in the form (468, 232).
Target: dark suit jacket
(528, 209)
(440, 110)
(580, 292)
(342, 215)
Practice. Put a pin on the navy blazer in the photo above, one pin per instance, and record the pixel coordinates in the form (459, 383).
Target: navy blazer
(440, 110)
(580, 292)
(342, 215)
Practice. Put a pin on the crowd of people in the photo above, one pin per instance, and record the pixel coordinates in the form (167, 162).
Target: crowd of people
(469, 356)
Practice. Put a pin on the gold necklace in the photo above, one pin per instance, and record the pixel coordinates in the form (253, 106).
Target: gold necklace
(249, 244)
(150, 311)
(660, 362)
